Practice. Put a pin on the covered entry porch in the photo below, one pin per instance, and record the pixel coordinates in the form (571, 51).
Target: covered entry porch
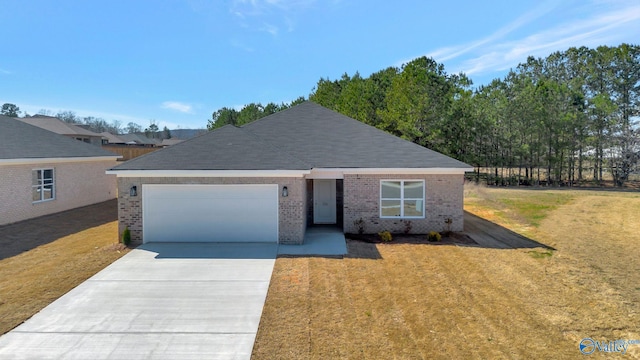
(324, 235)
(325, 199)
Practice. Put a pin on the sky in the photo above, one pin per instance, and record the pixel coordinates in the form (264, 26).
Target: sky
(175, 62)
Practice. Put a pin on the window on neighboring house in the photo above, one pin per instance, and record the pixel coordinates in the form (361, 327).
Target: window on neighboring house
(43, 185)
(402, 199)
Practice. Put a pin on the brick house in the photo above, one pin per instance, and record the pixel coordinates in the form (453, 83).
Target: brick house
(271, 179)
(43, 173)
(53, 124)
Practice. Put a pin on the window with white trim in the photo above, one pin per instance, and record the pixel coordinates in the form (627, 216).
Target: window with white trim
(402, 199)
(42, 185)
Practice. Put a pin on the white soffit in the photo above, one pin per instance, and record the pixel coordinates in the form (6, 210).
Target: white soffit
(338, 173)
(209, 173)
(28, 161)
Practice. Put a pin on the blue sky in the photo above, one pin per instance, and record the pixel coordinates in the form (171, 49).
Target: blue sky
(178, 61)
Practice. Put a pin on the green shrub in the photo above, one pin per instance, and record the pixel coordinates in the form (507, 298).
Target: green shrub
(434, 236)
(126, 236)
(385, 236)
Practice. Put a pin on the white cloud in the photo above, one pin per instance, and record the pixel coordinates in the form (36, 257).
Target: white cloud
(269, 15)
(600, 29)
(539, 11)
(6, 72)
(607, 25)
(271, 29)
(124, 119)
(177, 106)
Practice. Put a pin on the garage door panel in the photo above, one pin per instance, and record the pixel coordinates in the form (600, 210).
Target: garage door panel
(202, 213)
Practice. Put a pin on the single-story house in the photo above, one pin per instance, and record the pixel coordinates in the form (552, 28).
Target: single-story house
(170, 142)
(58, 126)
(111, 139)
(271, 179)
(138, 139)
(42, 172)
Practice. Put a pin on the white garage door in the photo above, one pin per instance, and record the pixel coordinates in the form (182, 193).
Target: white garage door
(210, 213)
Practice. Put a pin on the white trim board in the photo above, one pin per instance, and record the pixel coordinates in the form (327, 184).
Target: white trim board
(209, 173)
(317, 173)
(28, 161)
(338, 173)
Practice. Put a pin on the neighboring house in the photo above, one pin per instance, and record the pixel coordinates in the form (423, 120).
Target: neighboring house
(137, 139)
(111, 139)
(42, 172)
(60, 127)
(126, 146)
(268, 180)
(170, 142)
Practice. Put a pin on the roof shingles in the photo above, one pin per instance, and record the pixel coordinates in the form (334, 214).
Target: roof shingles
(305, 136)
(19, 140)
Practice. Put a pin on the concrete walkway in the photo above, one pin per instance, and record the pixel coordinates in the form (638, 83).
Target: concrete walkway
(318, 241)
(160, 301)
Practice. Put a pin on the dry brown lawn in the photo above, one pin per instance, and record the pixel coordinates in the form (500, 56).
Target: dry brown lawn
(420, 301)
(35, 278)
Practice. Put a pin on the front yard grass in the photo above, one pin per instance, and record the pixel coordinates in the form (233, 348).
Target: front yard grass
(35, 278)
(419, 301)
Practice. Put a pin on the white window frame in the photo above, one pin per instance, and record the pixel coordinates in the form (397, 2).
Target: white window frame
(42, 185)
(402, 199)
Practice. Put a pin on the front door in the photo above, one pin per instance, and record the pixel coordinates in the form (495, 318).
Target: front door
(324, 201)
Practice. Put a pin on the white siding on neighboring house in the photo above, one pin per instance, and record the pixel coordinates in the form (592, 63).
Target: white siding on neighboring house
(76, 184)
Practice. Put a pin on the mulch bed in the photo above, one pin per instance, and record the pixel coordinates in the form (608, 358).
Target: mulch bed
(453, 238)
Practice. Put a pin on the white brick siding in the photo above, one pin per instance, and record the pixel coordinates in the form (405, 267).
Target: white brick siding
(76, 184)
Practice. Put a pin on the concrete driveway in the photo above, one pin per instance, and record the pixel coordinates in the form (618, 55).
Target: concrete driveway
(160, 301)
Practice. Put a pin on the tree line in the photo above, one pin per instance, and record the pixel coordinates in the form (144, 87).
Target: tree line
(248, 113)
(568, 118)
(95, 124)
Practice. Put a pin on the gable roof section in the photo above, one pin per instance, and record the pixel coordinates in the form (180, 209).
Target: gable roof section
(111, 138)
(170, 142)
(23, 141)
(138, 139)
(303, 137)
(58, 126)
(328, 139)
(227, 148)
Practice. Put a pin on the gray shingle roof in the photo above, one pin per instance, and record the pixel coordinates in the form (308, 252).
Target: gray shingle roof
(138, 139)
(227, 148)
(303, 137)
(19, 140)
(111, 138)
(331, 140)
(58, 126)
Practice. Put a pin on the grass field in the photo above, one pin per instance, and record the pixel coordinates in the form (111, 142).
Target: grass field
(419, 301)
(35, 278)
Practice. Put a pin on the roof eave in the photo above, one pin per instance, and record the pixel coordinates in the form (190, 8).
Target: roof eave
(208, 173)
(40, 160)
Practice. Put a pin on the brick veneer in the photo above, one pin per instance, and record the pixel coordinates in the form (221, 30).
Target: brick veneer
(292, 219)
(76, 184)
(443, 200)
